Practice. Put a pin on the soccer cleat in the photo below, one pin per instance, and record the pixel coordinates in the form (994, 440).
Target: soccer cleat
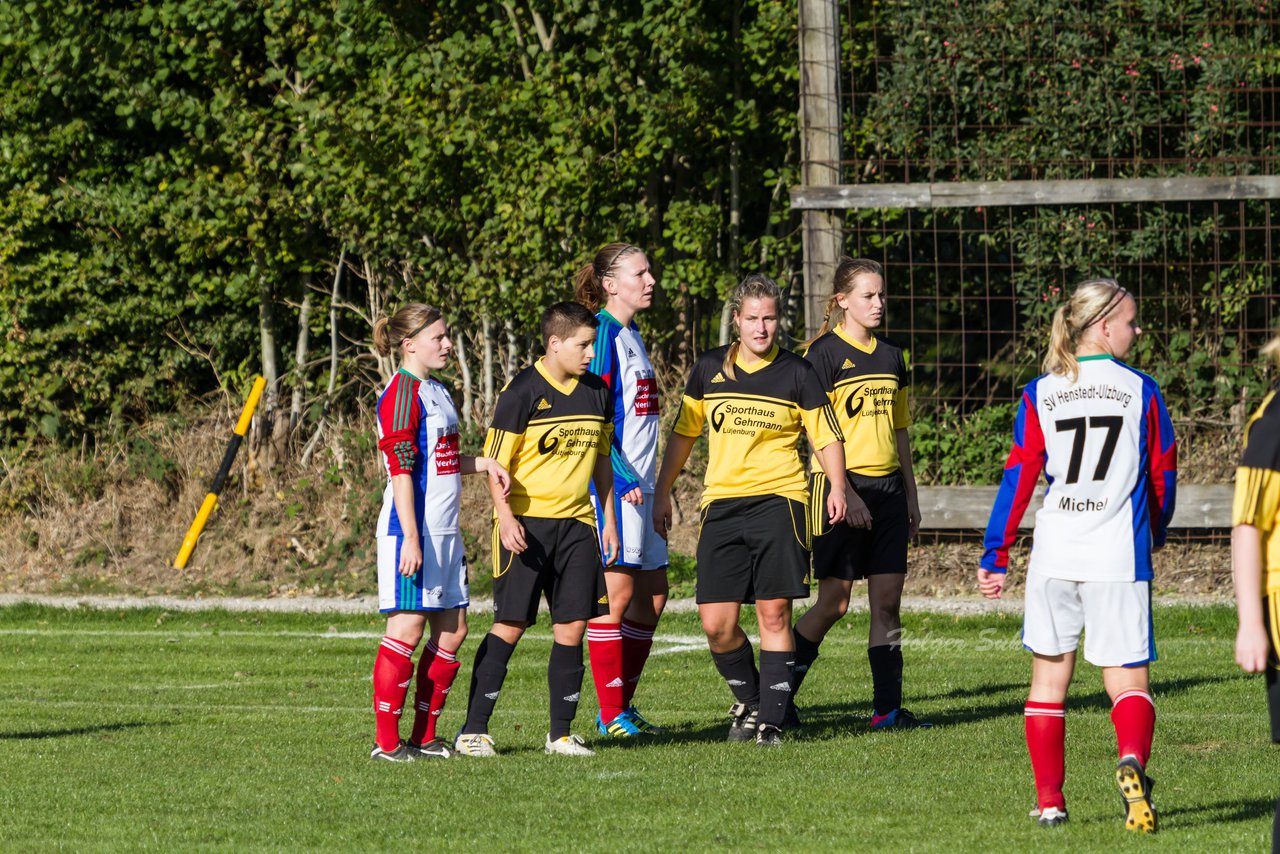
(899, 718)
(1051, 816)
(400, 754)
(633, 714)
(568, 745)
(1135, 789)
(433, 749)
(768, 736)
(743, 727)
(474, 744)
(620, 727)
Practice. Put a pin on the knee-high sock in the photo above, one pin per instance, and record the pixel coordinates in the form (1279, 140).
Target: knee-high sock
(1046, 726)
(392, 673)
(486, 682)
(436, 671)
(637, 641)
(1134, 717)
(775, 685)
(886, 677)
(564, 682)
(604, 642)
(806, 655)
(738, 668)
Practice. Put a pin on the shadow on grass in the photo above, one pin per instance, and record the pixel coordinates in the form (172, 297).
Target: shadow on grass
(829, 720)
(74, 731)
(1207, 814)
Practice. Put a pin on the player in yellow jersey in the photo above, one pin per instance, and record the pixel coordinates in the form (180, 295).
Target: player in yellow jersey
(551, 430)
(753, 542)
(1255, 554)
(866, 378)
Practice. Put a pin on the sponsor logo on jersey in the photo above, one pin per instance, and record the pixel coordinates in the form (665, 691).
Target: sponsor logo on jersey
(646, 396)
(718, 378)
(577, 440)
(747, 419)
(847, 365)
(543, 404)
(447, 456)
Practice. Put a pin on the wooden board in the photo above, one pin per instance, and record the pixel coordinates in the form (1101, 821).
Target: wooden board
(949, 508)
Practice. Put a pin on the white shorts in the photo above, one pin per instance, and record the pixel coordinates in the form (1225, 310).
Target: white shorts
(642, 548)
(439, 585)
(1114, 615)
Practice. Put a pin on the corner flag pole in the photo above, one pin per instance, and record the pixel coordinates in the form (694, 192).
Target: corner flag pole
(211, 500)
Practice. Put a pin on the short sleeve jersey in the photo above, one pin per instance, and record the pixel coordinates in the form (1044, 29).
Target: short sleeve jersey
(868, 390)
(418, 436)
(548, 436)
(1257, 497)
(623, 363)
(1106, 446)
(755, 421)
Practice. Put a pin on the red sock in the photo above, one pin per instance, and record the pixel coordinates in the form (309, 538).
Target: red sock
(637, 640)
(436, 671)
(1134, 717)
(1046, 726)
(604, 644)
(392, 673)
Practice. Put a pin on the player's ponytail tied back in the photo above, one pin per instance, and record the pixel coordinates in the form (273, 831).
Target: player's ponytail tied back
(588, 282)
(1271, 350)
(1092, 301)
(754, 286)
(408, 321)
(847, 272)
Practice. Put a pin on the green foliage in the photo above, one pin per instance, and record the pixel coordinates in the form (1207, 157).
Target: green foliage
(951, 447)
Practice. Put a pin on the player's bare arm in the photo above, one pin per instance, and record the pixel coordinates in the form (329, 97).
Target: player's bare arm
(831, 458)
(1252, 643)
(677, 454)
(484, 465)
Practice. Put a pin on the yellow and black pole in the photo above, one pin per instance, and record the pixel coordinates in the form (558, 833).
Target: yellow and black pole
(211, 500)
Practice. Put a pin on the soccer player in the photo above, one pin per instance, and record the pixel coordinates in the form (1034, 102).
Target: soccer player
(551, 428)
(422, 570)
(866, 377)
(618, 284)
(1100, 431)
(1255, 554)
(753, 543)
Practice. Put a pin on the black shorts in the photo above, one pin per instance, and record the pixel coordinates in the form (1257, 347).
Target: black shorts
(1271, 614)
(840, 551)
(562, 559)
(753, 548)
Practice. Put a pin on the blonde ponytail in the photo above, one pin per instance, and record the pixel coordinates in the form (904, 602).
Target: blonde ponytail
(1093, 300)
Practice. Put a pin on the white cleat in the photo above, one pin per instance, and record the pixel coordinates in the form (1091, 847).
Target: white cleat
(569, 745)
(474, 744)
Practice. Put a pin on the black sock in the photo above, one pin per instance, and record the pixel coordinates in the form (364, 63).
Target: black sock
(886, 677)
(806, 655)
(564, 681)
(1273, 701)
(487, 675)
(739, 669)
(775, 685)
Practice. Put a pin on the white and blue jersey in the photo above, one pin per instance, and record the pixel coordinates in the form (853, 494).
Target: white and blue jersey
(1106, 446)
(418, 436)
(623, 363)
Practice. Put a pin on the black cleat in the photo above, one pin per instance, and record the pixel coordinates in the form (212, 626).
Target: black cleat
(743, 726)
(1051, 816)
(400, 754)
(899, 718)
(434, 749)
(1135, 790)
(768, 736)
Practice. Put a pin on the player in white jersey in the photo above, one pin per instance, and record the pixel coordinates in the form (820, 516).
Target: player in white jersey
(1100, 431)
(422, 571)
(618, 284)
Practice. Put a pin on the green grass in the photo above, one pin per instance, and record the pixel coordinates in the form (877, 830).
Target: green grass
(214, 730)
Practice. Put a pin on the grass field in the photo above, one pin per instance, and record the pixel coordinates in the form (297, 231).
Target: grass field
(143, 729)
